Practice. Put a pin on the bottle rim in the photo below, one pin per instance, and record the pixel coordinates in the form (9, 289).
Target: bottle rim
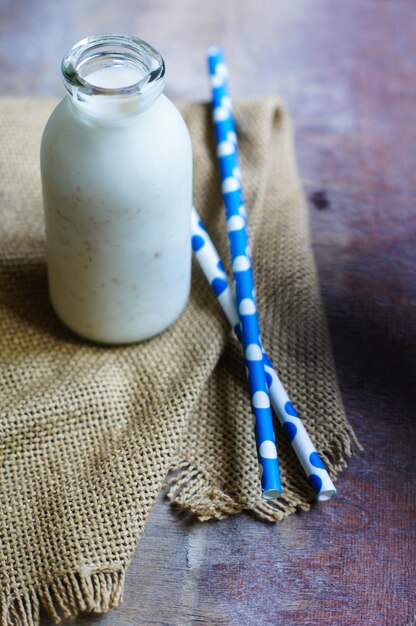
(106, 49)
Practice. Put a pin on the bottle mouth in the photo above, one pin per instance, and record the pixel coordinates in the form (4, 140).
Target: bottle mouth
(113, 65)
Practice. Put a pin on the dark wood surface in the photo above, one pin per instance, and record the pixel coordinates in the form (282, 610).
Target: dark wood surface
(347, 70)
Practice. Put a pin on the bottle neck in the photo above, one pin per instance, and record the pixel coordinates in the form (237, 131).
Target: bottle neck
(113, 76)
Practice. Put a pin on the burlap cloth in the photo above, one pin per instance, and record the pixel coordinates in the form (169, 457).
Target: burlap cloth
(89, 433)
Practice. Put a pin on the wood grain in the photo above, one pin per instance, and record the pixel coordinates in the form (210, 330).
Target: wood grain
(348, 73)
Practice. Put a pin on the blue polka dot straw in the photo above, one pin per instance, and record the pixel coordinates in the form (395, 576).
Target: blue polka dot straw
(243, 275)
(210, 263)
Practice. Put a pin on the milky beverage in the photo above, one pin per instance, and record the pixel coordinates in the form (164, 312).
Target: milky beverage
(117, 182)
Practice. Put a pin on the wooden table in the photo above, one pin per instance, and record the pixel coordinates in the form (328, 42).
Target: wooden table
(348, 73)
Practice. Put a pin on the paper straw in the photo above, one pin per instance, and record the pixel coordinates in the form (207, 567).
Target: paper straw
(211, 265)
(243, 279)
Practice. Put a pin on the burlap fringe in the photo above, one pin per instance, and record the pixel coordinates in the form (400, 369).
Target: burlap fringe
(190, 488)
(86, 591)
(65, 597)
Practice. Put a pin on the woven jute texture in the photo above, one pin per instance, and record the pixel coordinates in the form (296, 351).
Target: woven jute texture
(89, 433)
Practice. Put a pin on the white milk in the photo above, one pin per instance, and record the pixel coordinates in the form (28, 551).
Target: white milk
(117, 184)
(114, 77)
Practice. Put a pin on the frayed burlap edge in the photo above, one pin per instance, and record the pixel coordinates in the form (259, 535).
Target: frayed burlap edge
(191, 488)
(65, 597)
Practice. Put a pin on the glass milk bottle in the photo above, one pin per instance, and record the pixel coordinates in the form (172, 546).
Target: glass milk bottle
(116, 167)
